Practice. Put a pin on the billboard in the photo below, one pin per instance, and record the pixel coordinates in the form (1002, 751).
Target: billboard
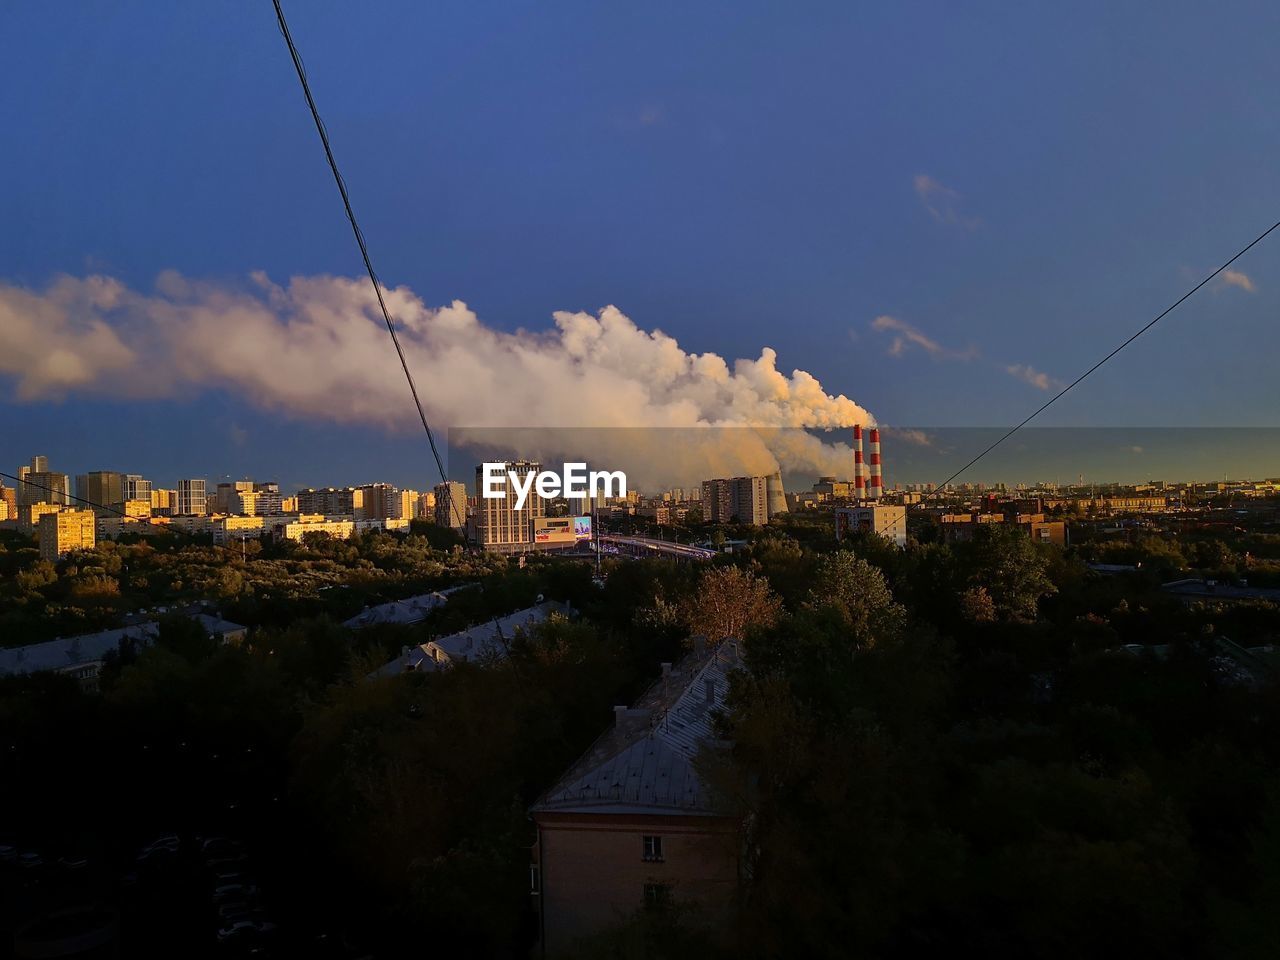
(553, 530)
(566, 530)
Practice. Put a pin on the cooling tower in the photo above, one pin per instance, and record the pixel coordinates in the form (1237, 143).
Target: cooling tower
(877, 481)
(859, 469)
(775, 497)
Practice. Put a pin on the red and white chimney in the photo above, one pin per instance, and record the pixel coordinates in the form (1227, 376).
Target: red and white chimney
(859, 468)
(877, 481)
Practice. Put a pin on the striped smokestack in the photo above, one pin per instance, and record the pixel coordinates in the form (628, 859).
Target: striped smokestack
(859, 469)
(877, 482)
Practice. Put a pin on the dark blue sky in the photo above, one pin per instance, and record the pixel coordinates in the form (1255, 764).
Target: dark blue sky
(1019, 186)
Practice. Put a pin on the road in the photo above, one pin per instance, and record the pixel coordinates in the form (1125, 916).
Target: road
(652, 545)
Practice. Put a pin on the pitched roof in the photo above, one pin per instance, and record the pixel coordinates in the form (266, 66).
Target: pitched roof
(488, 639)
(408, 610)
(645, 763)
(68, 652)
(491, 637)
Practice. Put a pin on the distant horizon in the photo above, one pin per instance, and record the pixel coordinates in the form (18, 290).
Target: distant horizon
(1035, 455)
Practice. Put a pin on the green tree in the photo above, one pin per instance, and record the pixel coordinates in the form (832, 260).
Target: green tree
(1011, 569)
(729, 601)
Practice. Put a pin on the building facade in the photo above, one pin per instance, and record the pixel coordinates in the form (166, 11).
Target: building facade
(102, 487)
(330, 501)
(136, 488)
(379, 501)
(38, 484)
(65, 531)
(226, 495)
(451, 505)
(29, 515)
(632, 824)
(192, 499)
(889, 521)
(499, 525)
(742, 500)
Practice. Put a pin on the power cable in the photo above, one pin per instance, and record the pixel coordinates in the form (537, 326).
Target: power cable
(940, 488)
(1164, 313)
(359, 235)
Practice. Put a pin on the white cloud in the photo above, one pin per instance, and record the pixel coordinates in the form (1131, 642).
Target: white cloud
(907, 336)
(943, 203)
(317, 348)
(1029, 374)
(1236, 278)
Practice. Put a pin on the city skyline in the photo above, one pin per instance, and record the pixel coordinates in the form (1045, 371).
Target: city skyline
(915, 457)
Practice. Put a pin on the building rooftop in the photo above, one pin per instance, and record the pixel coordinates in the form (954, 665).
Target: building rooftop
(488, 639)
(646, 762)
(491, 638)
(67, 653)
(1212, 590)
(408, 610)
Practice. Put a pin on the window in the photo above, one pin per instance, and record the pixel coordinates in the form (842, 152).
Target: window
(653, 848)
(657, 895)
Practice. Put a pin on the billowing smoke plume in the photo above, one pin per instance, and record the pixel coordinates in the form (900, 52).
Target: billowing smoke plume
(317, 348)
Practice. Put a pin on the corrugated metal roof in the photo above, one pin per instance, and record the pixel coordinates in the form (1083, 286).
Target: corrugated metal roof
(69, 652)
(491, 638)
(408, 610)
(484, 640)
(646, 763)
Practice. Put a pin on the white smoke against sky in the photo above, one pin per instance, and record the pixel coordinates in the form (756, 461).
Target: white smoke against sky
(316, 348)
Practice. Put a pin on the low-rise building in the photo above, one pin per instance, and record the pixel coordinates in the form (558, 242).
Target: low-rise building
(297, 529)
(81, 657)
(227, 529)
(632, 823)
(136, 508)
(887, 520)
(403, 612)
(481, 643)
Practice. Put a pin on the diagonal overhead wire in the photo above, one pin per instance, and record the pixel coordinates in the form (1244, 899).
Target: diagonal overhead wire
(941, 487)
(1151, 323)
(364, 250)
